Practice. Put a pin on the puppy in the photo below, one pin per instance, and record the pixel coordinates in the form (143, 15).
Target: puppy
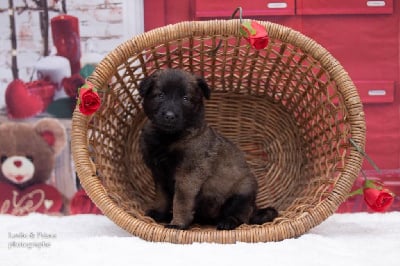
(200, 176)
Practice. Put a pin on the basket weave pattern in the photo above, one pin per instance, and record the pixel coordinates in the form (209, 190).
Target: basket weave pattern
(290, 107)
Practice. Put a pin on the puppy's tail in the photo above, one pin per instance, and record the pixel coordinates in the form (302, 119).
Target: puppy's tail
(265, 215)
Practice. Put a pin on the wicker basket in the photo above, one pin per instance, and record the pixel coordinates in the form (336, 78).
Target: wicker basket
(290, 107)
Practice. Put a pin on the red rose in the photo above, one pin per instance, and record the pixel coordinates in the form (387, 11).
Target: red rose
(376, 196)
(72, 84)
(82, 204)
(89, 100)
(255, 34)
(378, 200)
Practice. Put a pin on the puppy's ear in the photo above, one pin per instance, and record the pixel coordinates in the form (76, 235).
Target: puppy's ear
(146, 84)
(204, 87)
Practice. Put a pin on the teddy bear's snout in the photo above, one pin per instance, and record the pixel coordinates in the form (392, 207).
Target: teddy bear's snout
(18, 169)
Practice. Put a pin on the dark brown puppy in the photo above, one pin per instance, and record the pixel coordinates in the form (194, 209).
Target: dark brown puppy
(199, 175)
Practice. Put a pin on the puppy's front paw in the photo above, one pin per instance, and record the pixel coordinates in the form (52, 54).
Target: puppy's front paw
(159, 217)
(228, 223)
(176, 226)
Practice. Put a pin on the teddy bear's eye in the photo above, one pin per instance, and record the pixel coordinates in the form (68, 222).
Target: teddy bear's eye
(30, 158)
(3, 158)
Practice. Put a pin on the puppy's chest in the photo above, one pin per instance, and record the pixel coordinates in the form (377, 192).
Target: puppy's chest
(170, 158)
(162, 156)
(187, 153)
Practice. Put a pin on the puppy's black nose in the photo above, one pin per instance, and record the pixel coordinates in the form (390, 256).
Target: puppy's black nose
(169, 116)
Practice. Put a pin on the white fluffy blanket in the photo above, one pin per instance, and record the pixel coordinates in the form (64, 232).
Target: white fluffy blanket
(343, 239)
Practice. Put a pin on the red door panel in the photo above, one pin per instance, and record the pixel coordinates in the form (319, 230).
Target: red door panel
(368, 48)
(363, 35)
(223, 8)
(329, 7)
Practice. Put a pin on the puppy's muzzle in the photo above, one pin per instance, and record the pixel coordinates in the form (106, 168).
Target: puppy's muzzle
(169, 121)
(169, 117)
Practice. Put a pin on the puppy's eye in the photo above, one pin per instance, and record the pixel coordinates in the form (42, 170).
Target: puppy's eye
(185, 99)
(161, 95)
(3, 158)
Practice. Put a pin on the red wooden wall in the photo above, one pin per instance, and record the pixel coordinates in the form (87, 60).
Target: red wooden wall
(363, 35)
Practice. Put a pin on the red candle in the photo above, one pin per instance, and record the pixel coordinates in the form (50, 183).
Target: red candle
(66, 38)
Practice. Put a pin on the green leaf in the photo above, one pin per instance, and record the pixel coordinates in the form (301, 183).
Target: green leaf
(372, 184)
(243, 32)
(359, 191)
(62, 108)
(87, 70)
(247, 24)
(252, 30)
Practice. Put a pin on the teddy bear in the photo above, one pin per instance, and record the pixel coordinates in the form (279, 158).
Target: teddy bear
(27, 159)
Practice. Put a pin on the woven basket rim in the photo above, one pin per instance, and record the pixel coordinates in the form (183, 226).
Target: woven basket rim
(91, 182)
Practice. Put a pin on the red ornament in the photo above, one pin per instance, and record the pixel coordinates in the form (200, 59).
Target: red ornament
(25, 100)
(72, 84)
(66, 38)
(44, 89)
(82, 204)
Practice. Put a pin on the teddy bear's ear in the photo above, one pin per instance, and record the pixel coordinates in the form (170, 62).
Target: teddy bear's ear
(53, 132)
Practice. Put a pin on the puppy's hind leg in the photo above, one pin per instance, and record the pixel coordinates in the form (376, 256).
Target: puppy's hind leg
(235, 211)
(265, 215)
